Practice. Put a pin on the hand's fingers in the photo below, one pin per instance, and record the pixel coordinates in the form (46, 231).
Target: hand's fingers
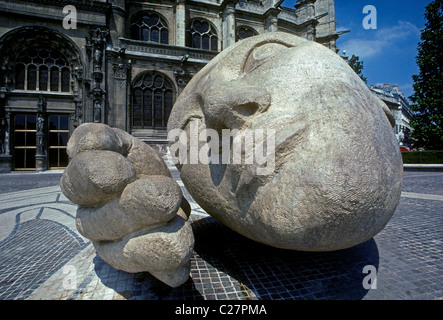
(94, 177)
(144, 203)
(94, 136)
(152, 200)
(163, 251)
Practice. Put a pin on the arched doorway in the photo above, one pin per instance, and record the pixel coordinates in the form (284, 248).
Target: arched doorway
(40, 69)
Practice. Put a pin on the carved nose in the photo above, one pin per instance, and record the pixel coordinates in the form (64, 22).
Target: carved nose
(231, 105)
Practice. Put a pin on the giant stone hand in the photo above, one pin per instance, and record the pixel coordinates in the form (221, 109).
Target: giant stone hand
(129, 205)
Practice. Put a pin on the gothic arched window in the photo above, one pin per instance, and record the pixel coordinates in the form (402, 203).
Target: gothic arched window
(149, 26)
(152, 101)
(244, 32)
(201, 34)
(42, 69)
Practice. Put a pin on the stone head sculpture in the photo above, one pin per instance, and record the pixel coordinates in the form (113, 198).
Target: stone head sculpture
(334, 172)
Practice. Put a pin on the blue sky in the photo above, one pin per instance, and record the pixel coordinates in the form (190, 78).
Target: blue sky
(388, 52)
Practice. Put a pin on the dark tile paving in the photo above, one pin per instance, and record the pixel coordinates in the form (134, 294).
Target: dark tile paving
(407, 255)
(12, 182)
(275, 274)
(34, 251)
(411, 248)
(423, 182)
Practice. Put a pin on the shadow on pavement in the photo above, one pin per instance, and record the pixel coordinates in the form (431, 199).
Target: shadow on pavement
(32, 253)
(142, 286)
(266, 272)
(284, 274)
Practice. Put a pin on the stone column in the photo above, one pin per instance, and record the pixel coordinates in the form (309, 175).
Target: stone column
(5, 87)
(97, 45)
(310, 33)
(180, 23)
(41, 163)
(229, 23)
(78, 112)
(119, 111)
(5, 156)
(117, 20)
(77, 75)
(271, 20)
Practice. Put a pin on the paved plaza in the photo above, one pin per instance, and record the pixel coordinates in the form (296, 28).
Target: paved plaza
(42, 255)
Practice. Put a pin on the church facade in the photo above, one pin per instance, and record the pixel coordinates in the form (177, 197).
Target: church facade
(123, 63)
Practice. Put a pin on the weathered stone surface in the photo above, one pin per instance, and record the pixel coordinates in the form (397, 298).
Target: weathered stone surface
(164, 251)
(155, 200)
(146, 160)
(94, 177)
(93, 136)
(130, 207)
(337, 175)
(99, 223)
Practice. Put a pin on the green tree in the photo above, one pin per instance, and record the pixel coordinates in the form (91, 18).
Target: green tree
(357, 65)
(427, 102)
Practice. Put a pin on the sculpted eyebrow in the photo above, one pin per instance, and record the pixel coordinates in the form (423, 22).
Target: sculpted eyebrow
(252, 62)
